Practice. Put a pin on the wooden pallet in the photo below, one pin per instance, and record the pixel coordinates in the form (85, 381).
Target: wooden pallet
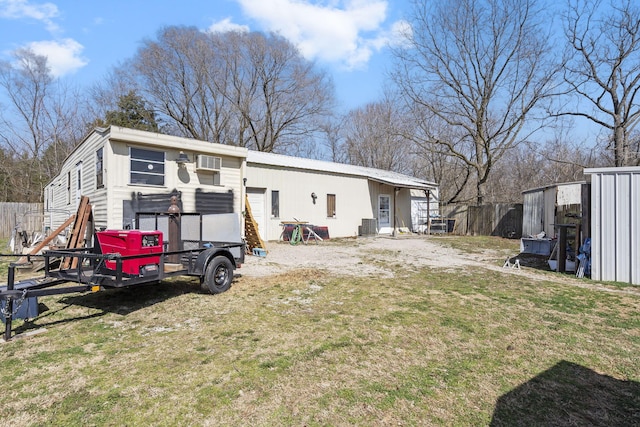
(76, 238)
(251, 233)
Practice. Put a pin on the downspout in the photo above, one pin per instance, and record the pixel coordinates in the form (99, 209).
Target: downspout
(427, 193)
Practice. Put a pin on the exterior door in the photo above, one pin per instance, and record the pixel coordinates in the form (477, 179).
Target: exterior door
(257, 202)
(384, 213)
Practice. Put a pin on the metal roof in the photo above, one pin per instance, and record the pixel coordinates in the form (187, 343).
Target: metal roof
(613, 170)
(386, 177)
(557, 184)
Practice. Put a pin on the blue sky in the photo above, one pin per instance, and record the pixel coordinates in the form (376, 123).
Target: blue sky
(83, 40)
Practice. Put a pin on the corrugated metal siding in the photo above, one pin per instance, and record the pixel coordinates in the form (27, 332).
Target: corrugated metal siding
(549, 211)
(615, 224)
(533, 213)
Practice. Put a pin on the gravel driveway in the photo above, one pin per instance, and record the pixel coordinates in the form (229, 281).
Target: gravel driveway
(377, 256)
(382, 256)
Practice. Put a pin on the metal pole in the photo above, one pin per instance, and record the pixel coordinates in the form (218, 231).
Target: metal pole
(9, 306)
(174, 230)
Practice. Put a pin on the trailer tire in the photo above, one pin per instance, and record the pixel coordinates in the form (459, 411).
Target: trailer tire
(218, 275)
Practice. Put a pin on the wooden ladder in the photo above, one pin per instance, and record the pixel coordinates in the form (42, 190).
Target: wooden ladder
(251, 229)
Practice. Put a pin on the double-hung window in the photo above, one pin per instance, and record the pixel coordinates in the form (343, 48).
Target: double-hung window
(147, 167)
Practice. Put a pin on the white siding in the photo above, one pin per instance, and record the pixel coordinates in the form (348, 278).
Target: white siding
(257, 203)
(62, 206)
(353, 198)
(107, 202)
(615, 224)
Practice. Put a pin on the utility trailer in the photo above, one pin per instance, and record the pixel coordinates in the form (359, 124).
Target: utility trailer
(125, 258)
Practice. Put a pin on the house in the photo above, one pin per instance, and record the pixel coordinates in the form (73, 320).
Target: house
(343, 198)
(125, 171)
(615, 224)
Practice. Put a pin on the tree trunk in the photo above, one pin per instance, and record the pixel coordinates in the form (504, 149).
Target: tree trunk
(620, 146)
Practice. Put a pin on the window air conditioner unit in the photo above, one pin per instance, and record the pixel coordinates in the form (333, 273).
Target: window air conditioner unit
(208, 163)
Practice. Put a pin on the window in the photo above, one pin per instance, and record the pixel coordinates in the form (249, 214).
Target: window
(69, 187)
(79, 177)
(331, 205)
(147, 167)
(78, 182)
(99, 168)
(275, 203)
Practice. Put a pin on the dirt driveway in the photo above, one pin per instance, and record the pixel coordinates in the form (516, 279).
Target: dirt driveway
(382, 256)
(377, 256)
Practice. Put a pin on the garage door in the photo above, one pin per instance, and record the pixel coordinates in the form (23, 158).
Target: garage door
(257, 201)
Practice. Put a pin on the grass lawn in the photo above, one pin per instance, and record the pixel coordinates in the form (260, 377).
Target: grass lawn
(430, 347)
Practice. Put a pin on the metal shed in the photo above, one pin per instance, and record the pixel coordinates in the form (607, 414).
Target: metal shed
(546, 206)
(615, 224)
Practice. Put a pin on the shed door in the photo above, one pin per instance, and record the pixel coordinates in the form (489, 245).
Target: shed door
(257, 201)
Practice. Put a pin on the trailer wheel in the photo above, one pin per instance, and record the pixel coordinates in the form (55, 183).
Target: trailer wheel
(218, 275)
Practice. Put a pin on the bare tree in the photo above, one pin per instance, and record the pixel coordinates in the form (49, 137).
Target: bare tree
(480, 69)
(38, 127)
(604, 68)
(533, 165)
(244, 89)
(375, 137)
(333, 139)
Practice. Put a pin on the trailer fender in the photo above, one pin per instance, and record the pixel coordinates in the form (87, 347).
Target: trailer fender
(207, 255)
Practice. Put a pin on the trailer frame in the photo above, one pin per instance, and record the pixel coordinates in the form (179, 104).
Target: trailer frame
(212, 262)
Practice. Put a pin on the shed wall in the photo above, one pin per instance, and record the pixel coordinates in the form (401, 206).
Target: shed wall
(615, 224)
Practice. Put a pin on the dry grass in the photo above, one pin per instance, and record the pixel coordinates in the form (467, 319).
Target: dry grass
(430, 347)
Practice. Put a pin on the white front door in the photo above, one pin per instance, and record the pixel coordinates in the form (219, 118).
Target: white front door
(257, 202)
(384, 213)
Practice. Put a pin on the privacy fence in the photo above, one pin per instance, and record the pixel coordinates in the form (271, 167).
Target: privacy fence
(26, 216)
(498, 219)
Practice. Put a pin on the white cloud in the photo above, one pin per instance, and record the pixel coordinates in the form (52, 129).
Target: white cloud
(347, 32)
(226, 25)
(63, 56)
(18, 9)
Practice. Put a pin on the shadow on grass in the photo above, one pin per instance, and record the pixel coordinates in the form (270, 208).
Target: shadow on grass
(570, 395)
(120, 301)
(129, 299)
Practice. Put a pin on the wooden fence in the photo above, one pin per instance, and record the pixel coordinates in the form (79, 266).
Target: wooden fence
(27, 216)
(498, 219)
